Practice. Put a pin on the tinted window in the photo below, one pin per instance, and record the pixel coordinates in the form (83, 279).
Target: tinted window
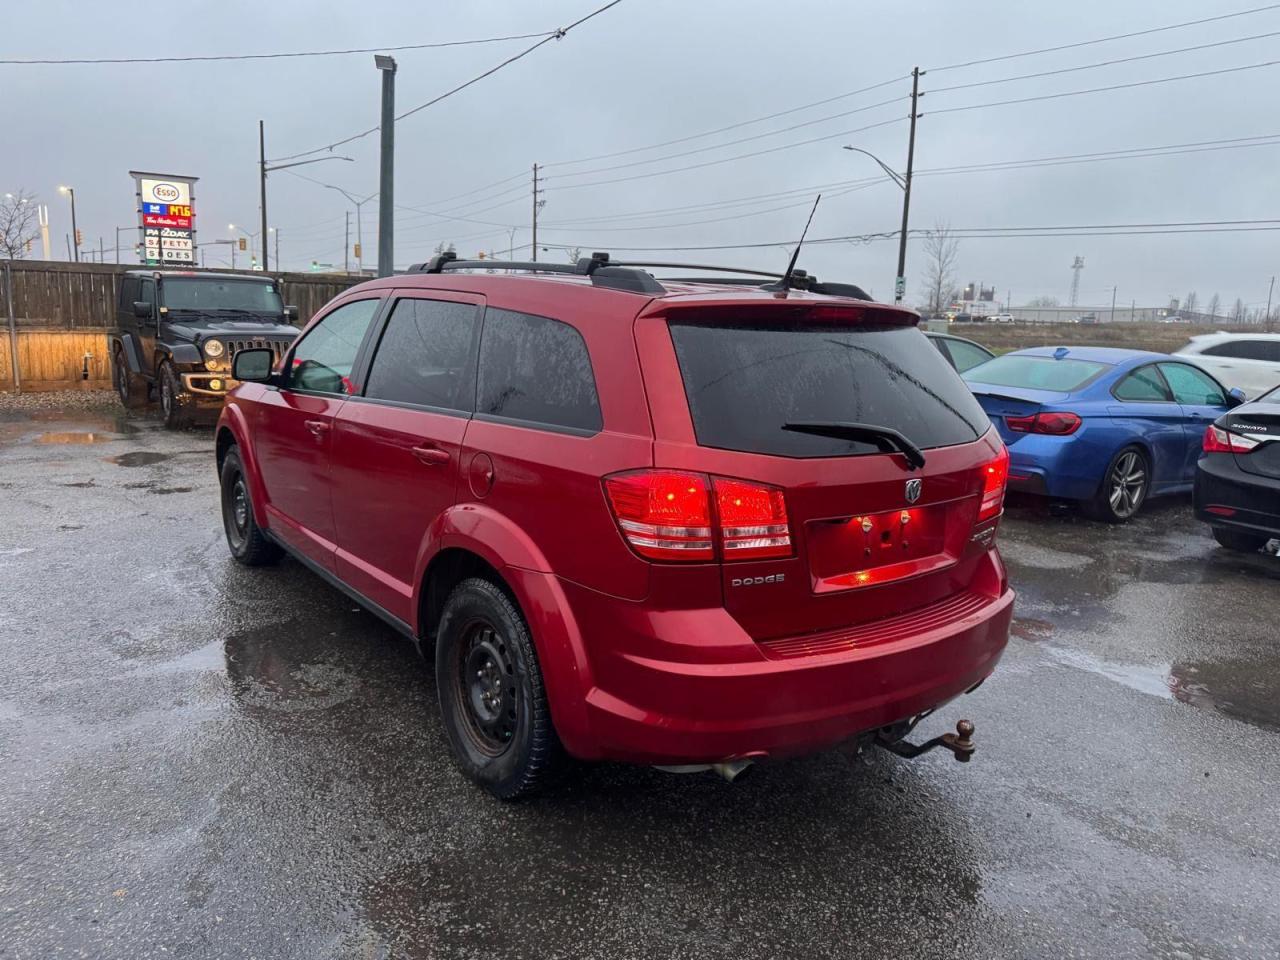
(1192, 386)
(1144, 383)
(536, 369)
(966, 356)
(1268, 350)
(147, 291)
(424, 356)
(324, 357)
(744, 382)
(207, 294)
(1037, 373)
(128, 293)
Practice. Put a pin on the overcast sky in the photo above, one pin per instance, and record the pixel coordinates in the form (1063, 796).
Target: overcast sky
(651, 71)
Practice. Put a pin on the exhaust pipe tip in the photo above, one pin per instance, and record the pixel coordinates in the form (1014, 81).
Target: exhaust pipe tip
(733, 770)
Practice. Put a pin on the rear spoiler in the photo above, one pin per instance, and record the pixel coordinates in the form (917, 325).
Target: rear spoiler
(795, 309)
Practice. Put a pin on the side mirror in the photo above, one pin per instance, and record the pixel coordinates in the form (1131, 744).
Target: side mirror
(1235, 397)
(142, 309)
(291, 314)
(253, 366)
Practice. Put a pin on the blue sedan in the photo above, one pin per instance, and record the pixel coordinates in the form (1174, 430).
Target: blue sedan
(1106, 427)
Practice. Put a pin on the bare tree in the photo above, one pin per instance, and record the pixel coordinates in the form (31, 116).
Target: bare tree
(1238, 311)
(1189, 305)
(443, 247)
(941, 251)
(1215, 304)
(573, 253)
(19, 225)
(1043, 302)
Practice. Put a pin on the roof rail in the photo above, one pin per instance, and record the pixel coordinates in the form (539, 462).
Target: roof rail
(631, 276)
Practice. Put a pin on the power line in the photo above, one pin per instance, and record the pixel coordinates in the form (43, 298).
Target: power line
(732, 126)
(1105, 63)
(1118, 36)
(1114, 86)
(283, 55)
(557, 35)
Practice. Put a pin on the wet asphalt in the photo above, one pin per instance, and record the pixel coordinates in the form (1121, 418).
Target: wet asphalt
(201, 760)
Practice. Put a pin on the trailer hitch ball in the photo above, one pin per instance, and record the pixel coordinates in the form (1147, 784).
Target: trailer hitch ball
(959, 743)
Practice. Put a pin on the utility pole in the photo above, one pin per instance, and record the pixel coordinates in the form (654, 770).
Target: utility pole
(1113, 303)
(386, 179)
(346, 242)
(70, 192)
(101, 251)
(1076, 266)
(262, 188)
(900, 284)
(511, 243)
(68, 239)
(1270, 291)
(1133, 310)
(42, 212)
(536, 205)
(276, 231)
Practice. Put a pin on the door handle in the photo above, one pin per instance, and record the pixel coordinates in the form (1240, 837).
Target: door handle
(431, 456)
(318, 428)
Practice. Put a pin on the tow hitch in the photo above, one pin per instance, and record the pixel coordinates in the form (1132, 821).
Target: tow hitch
(959, 743)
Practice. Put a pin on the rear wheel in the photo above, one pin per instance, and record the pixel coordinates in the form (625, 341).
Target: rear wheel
(1124, 487)
(491, 692)
(132, 392)
(248, 544)
(1239, 540)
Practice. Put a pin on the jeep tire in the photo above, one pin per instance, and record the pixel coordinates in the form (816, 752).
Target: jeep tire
(175, 403)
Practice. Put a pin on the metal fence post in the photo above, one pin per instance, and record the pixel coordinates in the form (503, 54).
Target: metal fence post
(13, 327)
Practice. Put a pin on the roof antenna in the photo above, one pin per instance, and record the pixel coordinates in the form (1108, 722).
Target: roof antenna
(785, 282)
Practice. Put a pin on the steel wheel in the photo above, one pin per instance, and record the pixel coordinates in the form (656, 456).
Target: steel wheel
(236, 505)
(1127, 484)
(487, 689)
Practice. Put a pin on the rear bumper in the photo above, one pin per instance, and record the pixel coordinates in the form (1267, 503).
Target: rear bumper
(1053, 467)
(1221, 486)
(650, 702)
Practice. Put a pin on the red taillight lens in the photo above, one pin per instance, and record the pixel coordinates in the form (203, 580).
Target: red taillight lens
(995, 477)
(753, 520)
(1051, 422)
(664, 514)
(1217, 440)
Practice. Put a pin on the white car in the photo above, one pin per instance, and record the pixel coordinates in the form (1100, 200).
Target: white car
(1250, 361)
(1001, 318)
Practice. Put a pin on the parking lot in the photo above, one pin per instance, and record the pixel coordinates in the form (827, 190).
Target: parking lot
(209, 761)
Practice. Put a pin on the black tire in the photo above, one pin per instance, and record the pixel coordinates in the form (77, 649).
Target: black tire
(130, 389)
(492, 697)
(1124, 487)
(175, 404)
(248, 544)
(1239, 540)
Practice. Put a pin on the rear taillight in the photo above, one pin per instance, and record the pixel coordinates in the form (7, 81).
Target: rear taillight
(667, 515)
(1051, 422)
(995, 477)
(753, 520)
(664, 514)
(1217, 440)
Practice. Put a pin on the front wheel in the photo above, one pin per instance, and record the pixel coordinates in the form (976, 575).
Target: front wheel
(1239, 540)
(174, 402)
(492, 697)
(248, 544)
(1124, 487)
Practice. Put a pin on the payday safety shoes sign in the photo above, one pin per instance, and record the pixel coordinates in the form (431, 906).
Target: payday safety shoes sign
(166, 218)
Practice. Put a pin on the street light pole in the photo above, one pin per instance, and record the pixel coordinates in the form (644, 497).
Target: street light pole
(900, 284)
(262, 189)
(386, 179)
(75, 234)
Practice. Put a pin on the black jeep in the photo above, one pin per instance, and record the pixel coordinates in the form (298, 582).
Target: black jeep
(176, 333)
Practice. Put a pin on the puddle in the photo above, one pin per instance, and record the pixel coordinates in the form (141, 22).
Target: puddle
(1245, 691)
(74, 436)
(164, 490)
(81, 484)
(1029, 628)
(139, 458)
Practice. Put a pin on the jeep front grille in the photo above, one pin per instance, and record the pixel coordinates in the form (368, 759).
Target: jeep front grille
(277, 347)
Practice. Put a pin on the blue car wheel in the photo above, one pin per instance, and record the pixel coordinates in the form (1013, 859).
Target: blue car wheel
(1124, 487)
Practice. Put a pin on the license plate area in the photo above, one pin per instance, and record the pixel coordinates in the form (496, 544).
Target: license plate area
(874, 548)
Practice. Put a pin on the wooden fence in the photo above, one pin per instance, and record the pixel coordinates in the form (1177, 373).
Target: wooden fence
(63, 311)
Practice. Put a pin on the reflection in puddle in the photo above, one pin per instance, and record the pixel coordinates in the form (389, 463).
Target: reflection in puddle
(1248, 692)
(74, 437)
(139, 458)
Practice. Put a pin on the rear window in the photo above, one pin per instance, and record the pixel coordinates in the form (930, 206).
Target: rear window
(1037, 373)
(744, 382)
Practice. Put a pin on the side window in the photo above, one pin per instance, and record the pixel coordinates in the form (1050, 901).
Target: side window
(1245, 350)
(966, 356)
(941, 345)
(128, 294)
(1145, 383)
(324, 357)
(537, 370)
(147, 291)
(424, 356)
(1192, 386)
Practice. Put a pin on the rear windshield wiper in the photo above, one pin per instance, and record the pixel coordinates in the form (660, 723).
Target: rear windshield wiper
(886, 438)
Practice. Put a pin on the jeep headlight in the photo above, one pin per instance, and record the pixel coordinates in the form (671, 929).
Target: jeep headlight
(214, 348)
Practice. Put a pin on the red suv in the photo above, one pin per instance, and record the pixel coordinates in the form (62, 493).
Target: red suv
(686, 523)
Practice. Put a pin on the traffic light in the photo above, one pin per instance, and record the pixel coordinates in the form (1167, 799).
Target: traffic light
(243, 245)
(29, 246)
(356, 252)
(79, 239)
(480, 256)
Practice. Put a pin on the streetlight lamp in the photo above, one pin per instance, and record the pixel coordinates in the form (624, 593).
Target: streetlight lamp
(904, 184)
(359, 224)
(252, 237)
(75, 234)
(263, 170)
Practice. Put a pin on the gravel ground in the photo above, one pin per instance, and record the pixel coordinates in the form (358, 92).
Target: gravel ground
(61, 400)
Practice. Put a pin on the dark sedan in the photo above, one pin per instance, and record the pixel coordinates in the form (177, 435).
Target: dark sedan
(1237, 485)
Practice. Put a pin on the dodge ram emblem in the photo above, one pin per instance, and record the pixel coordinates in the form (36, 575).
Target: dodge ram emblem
(913, 490)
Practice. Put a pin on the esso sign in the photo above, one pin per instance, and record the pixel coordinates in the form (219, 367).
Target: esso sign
(166, 192)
